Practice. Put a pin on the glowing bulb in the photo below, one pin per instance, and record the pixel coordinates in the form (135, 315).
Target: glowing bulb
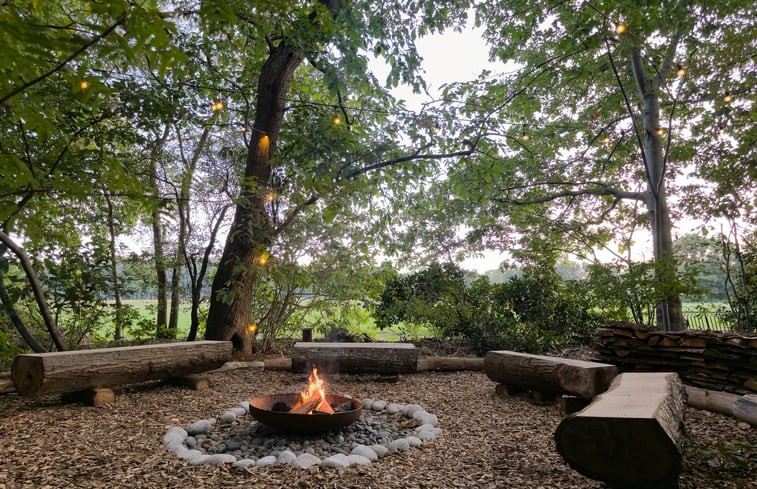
(262, 258)
(525, 136)
(336, 120)
(252, 328)
(217, 106)
(606, 139)
(681, 71)
(84, 84)
(270, 197)
(244, 128)
(722, 130)
(621, 27)
(728, 97)
(660, 131)
(437, 129)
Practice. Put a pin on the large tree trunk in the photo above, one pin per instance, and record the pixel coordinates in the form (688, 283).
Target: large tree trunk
(157, 234)
(13, 315)
(251, 231)
(118, 321)
(669, 310)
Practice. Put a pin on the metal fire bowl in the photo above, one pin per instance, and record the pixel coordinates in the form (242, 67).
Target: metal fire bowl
(260, 408)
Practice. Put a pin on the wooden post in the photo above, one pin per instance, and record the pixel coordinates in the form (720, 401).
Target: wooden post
(307, 334)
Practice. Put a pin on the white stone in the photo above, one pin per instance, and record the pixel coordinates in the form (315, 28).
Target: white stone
(410, 409)
(367, 403)
(190, 455)
(419, 414)
(175, 436)
(358, 460)
(221, 458)
(426, 435)
(413, 441)
(380, 450)
(266, 461)
(366, 452)
(287, 457)
(198, 427)
(336, 461)
(393, 408)
(245, 405)
(245, 462)
(198, 460)
(306, 460)
(239, 411)
(229, 417)
(428, 418)
(378, 405)
(398, 445)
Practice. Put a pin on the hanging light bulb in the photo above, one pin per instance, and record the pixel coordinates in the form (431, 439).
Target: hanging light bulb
(728, 97)
(722, 130)
(606, 139)
(217, 106)
(84, 84)
(681, 71)
(336, 120)
(660, 131)
(525, 136)
(252, 328)
(262, 258)
(621, 28)
(244, 128)
(270, 196)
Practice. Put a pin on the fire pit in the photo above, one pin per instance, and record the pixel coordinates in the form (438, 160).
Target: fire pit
(311, 411)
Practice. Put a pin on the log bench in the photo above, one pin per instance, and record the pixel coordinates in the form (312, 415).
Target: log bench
(355, 358)
(546, 376)
(86, 375)
(630, 436)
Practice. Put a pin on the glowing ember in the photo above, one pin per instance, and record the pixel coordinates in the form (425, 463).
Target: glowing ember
(313, 397)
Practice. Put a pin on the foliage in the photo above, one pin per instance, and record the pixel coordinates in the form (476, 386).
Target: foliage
(740, 256)
(531, 312)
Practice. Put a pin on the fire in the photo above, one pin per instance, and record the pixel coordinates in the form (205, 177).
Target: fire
(313, 397)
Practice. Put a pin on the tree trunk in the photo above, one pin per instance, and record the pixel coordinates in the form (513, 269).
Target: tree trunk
(251, 231)
(39, 293)
(118, 320)
(157, 234)
(13, 315)
(669, 309)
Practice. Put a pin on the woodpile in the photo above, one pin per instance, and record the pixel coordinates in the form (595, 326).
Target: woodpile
(707, 359)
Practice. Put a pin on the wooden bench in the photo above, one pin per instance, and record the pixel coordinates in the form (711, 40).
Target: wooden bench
(629, 436)
(85, 375)
(548, 376)
(356, 358)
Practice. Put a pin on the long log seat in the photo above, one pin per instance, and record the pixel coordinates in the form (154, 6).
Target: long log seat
(355, 358)
(87, 373)
(548, 376)
(630, 436)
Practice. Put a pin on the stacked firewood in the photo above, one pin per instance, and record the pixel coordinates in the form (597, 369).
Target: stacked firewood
(708, 359)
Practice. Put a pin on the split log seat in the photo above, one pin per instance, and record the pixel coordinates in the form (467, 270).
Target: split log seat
(96, 369)
(355, 358)
(549, 376)
(630, 436)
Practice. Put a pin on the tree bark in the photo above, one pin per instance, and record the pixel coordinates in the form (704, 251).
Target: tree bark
(39, 293)
(118, 320)
(157, 234)
(669, 309)
(251, 231)
(13, 315)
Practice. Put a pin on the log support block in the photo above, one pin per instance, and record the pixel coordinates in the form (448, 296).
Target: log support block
(549, 374)
(508, 390)
(630, 436)
(90, 397)
(571, 404)
(194, 382)
(356, 358)
(543, 397)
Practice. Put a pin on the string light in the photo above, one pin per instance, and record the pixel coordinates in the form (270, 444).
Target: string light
(606, 139)
(660, 131)
(262, 258)
(722, 130)
(336, 120)
(84, 84)
(244, 128)
(621, 28)
(525, 136)
(270, 197)
(728, 97)
(252, 328)
(681, 71)
(217, 106)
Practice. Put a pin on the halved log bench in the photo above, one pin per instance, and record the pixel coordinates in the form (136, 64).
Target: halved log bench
(548, 376)
(630, 436)
(356, 358)
(88, 373)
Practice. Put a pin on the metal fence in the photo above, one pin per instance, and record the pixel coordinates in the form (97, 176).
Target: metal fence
(714, 320)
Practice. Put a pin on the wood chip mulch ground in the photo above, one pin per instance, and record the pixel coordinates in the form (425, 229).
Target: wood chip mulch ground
(489, 441)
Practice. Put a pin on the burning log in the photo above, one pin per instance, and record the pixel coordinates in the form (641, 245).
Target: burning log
(307, 406)
(313, 397)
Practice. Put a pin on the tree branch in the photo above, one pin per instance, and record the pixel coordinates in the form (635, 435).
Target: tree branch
(618, 194)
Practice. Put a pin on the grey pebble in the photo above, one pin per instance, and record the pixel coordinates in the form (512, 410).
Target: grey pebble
(365, 451)
(266, 461)
(287, 457)
(245, 462)
(306, 460)
(378, 405)
(358, 460)
(336, 461)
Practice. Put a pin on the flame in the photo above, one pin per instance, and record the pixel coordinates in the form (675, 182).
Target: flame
(316, 385)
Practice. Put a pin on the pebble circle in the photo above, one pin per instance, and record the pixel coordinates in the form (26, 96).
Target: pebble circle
(236, 438)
